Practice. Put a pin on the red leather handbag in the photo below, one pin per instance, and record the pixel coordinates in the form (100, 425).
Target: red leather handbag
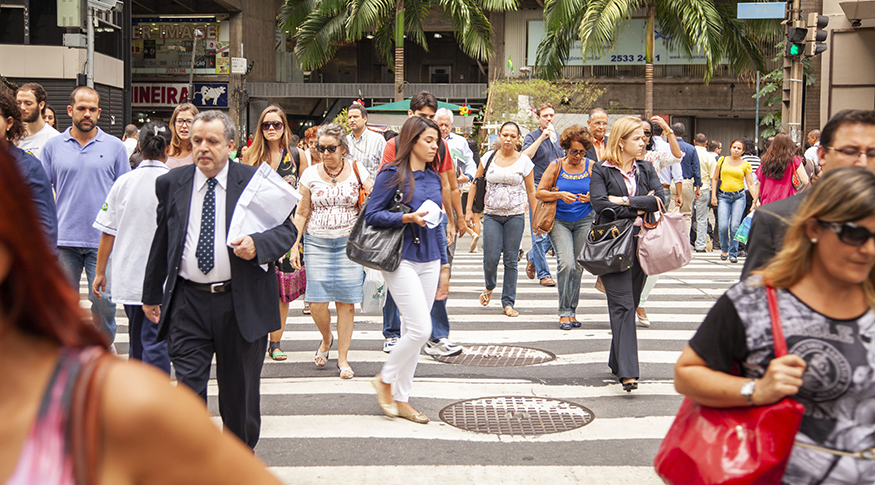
(737, 446)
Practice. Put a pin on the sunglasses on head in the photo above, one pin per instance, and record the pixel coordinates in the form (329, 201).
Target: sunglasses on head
(329, 148)
(276, 125)
(849, 233)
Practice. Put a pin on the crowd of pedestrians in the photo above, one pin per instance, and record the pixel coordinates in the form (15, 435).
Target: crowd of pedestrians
(193, 293)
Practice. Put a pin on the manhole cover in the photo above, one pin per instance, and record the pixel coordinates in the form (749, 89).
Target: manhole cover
(516, 415)
(498, 356)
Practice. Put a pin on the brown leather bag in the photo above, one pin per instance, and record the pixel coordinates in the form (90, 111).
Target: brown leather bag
(545, 212)
(363, 192)
(86, 427)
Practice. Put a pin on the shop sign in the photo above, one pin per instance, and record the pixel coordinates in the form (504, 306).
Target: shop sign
(172, 94)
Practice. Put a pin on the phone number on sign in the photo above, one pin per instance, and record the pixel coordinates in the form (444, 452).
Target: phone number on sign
(625, 58)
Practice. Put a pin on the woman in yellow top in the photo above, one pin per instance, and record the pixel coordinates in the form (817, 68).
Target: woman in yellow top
(727, 180)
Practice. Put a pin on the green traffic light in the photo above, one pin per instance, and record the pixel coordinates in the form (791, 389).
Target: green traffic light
(796, 49)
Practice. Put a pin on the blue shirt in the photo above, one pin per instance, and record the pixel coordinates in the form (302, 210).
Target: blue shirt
(428, 186)
(82, 178)
(576, 184)
(690, 162)
(40, 192)
(546, 153)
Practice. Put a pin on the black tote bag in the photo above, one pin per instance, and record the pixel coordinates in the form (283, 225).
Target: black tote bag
(377, 247)
(609, 245)
(480, 187)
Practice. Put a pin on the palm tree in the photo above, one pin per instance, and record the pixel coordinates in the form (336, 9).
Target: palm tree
(320, 25)
(707, 27)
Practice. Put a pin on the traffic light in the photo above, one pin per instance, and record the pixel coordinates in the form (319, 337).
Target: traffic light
(815, 37)
(794, 45)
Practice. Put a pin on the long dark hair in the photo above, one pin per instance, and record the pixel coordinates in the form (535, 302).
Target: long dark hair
(153, 140)
(778, 157)
(412, 129)
(35, 295)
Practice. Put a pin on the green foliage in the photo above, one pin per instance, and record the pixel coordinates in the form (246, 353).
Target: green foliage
(772, 93)
(342, 120)
(566, 97)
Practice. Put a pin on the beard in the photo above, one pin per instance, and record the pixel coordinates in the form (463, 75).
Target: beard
(84, 125)
(34, 115)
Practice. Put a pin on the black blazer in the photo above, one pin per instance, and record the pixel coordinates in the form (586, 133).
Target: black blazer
(609, 181)
(255, 293)
(767, 230)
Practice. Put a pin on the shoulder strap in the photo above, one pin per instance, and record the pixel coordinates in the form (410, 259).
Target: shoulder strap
(777, 330)
(296, 156)
(85, 417)
(442, 151)
(355, 170)
(556, 179)
(488, 161)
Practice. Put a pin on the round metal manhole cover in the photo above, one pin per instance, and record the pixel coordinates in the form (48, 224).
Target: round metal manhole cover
(516, 415)
(498, 356)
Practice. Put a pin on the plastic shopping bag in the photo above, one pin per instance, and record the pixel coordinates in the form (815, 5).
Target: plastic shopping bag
(373, 291)
(744, 229)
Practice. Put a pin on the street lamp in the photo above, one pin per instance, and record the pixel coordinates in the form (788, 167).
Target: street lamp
(197, 33)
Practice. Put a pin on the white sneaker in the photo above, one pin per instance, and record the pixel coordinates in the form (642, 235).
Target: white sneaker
(442, 348)
(389, 343)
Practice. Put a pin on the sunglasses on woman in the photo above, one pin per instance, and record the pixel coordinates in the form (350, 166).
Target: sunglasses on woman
(329, 148)
(276, 125)
(849, 233)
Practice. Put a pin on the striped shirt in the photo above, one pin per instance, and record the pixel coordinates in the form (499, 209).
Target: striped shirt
(368, 150)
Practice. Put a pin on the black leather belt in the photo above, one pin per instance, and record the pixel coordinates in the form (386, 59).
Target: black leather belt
(220, 287)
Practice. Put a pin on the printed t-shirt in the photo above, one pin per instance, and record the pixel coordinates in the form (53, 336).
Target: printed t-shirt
(333, 208)
(505, 187)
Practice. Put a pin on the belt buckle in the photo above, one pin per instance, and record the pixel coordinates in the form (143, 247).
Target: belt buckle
(217, 287)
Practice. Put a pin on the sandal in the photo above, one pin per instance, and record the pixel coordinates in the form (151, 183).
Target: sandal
(275, 352)
(509, 311)
(564, 325)
(306, 310)
(345, 372)
(485, 296)
(323, 355)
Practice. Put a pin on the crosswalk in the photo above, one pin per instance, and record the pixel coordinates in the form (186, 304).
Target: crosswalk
(317, 427)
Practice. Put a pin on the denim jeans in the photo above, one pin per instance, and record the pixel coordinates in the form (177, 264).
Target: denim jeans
(540, 246)
(440, 321)
(502, 234)
(701, 208)
(730, 208)
(568, 238)
(73, 260)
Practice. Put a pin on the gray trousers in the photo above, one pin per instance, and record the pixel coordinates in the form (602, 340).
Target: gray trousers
(624, 293)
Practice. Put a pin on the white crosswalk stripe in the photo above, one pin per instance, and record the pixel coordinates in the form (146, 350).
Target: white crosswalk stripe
(317, 428)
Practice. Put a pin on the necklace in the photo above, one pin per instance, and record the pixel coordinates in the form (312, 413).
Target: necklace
(333, 175)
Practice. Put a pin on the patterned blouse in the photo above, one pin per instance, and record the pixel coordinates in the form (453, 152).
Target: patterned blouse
(333, 208)
(506, 187)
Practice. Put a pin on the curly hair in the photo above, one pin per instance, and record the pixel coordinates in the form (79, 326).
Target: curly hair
(578, 133)
(9, 109)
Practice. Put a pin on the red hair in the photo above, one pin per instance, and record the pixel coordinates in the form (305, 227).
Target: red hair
(35, 295)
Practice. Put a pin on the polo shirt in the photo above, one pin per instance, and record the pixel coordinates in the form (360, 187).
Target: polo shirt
(82, 178)
(40, 192)
(690, 162)
(130, 214)
(546, 153)
(368, 150)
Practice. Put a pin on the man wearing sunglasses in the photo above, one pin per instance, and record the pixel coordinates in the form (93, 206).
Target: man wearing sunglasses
(847, 139)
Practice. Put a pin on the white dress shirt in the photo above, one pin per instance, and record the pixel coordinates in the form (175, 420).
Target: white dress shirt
(222, 269)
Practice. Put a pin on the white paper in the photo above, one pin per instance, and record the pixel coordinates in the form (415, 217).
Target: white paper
(265, 203)
(433, 218)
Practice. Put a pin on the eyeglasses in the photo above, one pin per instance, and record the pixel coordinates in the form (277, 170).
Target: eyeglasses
(577, 153)
(181, 122)
(849, 233)
(853, 152)
(329, 148)
(276, 125)
(600, 123)
(647, 133)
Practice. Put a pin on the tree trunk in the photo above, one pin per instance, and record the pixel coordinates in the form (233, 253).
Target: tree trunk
(399, 51)
(648, 58)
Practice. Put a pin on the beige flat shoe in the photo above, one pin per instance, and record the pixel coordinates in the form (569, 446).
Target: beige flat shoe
(416, 417)
(389, 409)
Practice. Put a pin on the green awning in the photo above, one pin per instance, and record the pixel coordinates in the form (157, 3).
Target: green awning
(403, 106)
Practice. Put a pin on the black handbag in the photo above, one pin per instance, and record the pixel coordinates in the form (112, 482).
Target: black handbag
(609, 246)
(377, 247)
(480, 187)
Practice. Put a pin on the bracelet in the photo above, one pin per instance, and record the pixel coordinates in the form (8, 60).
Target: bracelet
(445, 266)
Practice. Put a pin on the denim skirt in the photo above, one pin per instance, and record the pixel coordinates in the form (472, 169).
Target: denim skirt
(331, 276)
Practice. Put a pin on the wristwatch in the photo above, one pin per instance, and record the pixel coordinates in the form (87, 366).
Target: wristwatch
(747, 391)
(625, 200)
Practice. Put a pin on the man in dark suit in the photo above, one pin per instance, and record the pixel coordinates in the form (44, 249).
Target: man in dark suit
(216, 300)
(843, 140)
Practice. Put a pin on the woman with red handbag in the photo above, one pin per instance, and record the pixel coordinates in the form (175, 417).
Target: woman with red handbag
(781, 173)
(825, 297)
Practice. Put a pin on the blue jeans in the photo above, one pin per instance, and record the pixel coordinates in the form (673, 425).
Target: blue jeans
(568, 238)
(440, 322)
(730, 208)
(73, 260)
(540, 246)
(502, 234)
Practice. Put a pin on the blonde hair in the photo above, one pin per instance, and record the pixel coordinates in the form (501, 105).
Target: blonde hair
(620, 130)
(843, 195)
(176, 142)
(259, 152)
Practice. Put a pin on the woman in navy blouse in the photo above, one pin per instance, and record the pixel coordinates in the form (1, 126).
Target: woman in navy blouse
(415, 282)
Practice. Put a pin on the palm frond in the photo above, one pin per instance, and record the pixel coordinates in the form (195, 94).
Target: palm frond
(552, 52)
(293, 12)
(384, 40)
(693, 27)
(499, 5)
(742, 47)
(317, 39)
(602, 21)
(365, 16)
(415, 12)
(471, 27)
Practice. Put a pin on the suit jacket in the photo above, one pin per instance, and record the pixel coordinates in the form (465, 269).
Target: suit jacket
(590, 152)
(767, 231)
(607, 181)
(255, 293)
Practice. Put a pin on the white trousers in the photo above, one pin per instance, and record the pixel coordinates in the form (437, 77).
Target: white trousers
(413, 286)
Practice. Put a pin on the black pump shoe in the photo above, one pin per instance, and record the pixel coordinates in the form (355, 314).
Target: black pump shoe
(630, 386)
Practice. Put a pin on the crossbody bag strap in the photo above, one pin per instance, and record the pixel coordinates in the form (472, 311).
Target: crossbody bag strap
(86, 427)
(775, 316)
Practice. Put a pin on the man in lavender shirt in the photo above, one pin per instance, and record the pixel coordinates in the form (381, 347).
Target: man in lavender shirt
(82, 163)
